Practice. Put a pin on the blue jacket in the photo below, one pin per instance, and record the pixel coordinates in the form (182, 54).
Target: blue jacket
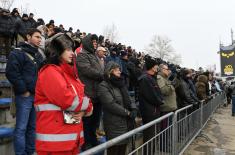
(114, 59)
(21, 70)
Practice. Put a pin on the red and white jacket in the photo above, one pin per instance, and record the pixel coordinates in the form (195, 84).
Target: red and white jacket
(59, 90)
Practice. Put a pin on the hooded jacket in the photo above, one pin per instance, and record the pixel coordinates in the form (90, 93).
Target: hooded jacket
(89, 69)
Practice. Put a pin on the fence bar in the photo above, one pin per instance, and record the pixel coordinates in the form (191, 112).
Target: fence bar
(183, 127)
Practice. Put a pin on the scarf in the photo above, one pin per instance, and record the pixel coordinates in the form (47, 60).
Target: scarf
(119, 83)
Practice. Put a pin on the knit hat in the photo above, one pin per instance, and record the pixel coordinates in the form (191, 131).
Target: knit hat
(150, 63)
(24, 15)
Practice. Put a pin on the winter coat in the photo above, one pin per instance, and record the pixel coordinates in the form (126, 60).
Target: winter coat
(21, 70)
(89, 69)
(33, 23)
(115, 115)
(22, 26)
(58, 90)
(183, 93)
(125, 72)
(201, 87)
(7, 26)
(150, 98)
(168, 93)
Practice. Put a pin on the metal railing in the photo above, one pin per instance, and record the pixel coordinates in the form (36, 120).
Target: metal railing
(179, 130)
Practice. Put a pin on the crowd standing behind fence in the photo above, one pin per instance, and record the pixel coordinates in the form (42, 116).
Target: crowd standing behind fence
(155, 87)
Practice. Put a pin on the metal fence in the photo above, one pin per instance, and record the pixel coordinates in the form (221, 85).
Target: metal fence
(179, 130)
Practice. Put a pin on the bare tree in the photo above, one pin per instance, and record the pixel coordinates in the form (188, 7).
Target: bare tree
(175, 59)
(25, 8)
(111, 32)
(160, 47)
(6, 4)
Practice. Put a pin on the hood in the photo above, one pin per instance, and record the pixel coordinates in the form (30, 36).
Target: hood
(202, 78)
(87, 43)
(28, 48)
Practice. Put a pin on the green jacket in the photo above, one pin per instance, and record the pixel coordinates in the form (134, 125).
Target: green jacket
(168, 93)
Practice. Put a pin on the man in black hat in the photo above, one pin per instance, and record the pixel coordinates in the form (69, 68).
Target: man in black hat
(150, 100)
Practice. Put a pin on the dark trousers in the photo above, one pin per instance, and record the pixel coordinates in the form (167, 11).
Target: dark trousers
(117, 150)
(149, 133)
(90, 125)
(166, 138)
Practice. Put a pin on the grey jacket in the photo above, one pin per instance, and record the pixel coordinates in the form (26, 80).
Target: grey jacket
(89, 69)
(168, 93)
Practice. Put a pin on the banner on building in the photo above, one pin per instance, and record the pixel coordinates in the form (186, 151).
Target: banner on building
(227, 60)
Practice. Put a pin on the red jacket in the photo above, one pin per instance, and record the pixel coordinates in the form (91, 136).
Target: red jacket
(58, 90)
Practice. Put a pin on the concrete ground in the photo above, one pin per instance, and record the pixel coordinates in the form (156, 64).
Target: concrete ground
(219, 135)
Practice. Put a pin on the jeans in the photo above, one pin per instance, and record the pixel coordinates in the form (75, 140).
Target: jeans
(233, 104)
(24, 135)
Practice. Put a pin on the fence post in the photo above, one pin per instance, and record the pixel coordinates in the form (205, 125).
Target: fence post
(175, 134)
(201, 108)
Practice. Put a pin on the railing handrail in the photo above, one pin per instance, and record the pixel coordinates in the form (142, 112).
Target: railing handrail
(116, 140)
(120, 138)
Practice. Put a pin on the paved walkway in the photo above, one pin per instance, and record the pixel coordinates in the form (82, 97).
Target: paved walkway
(221, 133)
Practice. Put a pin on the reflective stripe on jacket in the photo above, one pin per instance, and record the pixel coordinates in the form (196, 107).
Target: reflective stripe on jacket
(58, 90)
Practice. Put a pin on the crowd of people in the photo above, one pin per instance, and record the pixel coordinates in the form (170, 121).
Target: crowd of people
(66, 82)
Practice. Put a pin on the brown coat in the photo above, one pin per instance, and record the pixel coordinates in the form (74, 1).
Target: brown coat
(201, 87)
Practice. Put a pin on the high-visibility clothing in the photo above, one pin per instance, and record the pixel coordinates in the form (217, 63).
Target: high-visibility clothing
(58, 90)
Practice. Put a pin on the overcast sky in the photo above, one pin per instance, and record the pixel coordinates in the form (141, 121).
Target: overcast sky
(195, 27)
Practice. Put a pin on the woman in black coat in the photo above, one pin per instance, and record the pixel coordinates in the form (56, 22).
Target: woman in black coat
(117, 108)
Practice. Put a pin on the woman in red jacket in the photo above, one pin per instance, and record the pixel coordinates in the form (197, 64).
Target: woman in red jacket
(60, 101)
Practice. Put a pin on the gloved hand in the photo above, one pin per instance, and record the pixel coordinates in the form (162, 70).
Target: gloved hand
(196, 105)
(133, 114)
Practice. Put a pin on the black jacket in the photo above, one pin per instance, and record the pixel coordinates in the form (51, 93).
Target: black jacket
(149, 97)
(89, 69)
(7, 26)
(184, 94)
(22, 26)
(21, 71)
